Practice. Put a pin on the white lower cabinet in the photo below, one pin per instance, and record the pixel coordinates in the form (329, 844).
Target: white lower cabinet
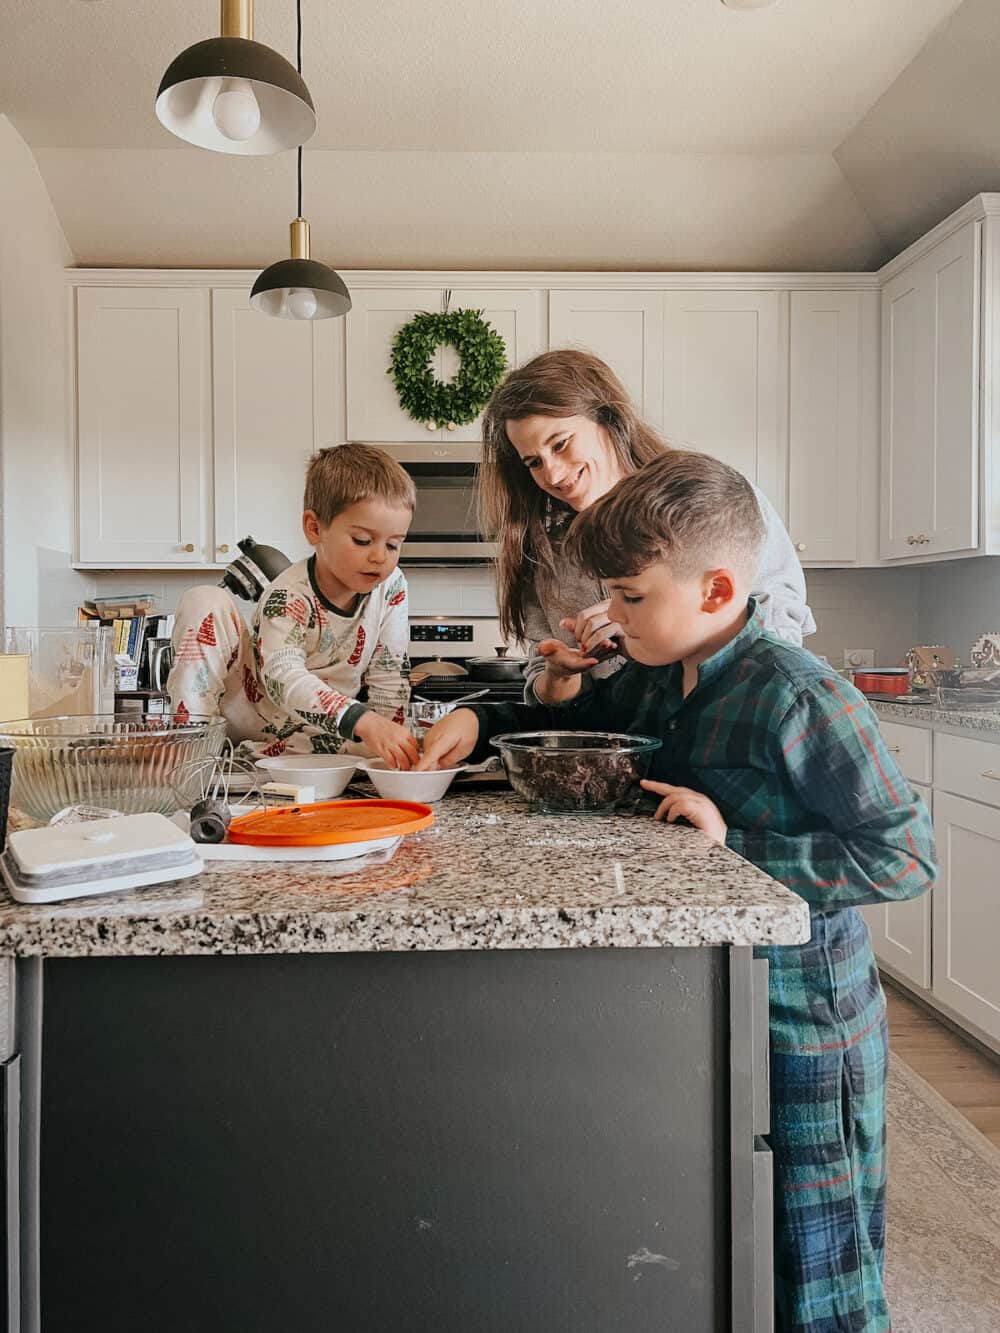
(901, 931)
(967, 911)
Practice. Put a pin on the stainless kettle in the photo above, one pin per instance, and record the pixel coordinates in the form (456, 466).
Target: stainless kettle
(160, 658)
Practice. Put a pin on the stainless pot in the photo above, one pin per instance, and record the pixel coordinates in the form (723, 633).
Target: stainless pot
(501, 667)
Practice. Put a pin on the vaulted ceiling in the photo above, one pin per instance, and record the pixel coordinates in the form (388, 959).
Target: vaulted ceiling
(528, 133)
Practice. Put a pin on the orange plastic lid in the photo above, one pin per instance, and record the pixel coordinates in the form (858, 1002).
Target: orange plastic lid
(329, 822)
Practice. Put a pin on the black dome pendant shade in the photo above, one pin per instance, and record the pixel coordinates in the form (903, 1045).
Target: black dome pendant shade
(300, 287)
(231, 94)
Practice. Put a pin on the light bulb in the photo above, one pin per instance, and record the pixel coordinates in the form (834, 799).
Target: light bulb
(235, 110)
(301, 303)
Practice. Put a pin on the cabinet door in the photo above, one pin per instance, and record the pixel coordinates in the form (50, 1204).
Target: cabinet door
(518, 316)
(722, 387)
(901, 932)
(824, 429)
(930, 402)
(143, 424)
(373, 411)
(966, 910)
(274, 387)
(625, 329)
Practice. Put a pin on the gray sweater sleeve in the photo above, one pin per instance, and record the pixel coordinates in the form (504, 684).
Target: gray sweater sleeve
(537, 628)
(780, 579)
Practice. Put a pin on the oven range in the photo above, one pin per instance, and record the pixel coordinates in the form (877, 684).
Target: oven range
(452, 656)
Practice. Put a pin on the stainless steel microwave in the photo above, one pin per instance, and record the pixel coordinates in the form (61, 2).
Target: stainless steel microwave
(445, 527)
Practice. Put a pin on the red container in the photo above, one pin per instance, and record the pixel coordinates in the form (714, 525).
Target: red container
(883, 680)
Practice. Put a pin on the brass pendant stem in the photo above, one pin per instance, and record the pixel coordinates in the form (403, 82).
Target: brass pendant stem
(300, 238)
(237, 19)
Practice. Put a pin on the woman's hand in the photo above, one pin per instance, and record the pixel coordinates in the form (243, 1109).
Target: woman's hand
(592, 628)
(450, 741)
(694, 806)
(389, 740)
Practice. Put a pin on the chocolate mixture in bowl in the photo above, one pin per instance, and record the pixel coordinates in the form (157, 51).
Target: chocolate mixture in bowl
(576, 772)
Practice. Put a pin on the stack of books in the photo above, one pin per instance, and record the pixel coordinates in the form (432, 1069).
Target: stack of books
(133, 621)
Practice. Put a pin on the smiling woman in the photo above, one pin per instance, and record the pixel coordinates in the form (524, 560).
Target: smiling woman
(558, 434)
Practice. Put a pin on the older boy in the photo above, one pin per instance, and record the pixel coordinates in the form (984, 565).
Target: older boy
(322, 630)
(768, 751)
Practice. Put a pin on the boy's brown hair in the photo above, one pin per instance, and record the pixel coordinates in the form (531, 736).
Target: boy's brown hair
(346, 474)
(686, 508)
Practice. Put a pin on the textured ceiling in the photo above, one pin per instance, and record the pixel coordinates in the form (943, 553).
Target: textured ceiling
(647, 76)
(539, 134)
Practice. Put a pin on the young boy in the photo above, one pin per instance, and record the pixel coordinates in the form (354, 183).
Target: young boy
(768, 751)
(323, 629)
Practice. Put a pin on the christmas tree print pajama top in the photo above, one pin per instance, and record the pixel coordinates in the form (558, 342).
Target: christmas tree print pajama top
(289, 682)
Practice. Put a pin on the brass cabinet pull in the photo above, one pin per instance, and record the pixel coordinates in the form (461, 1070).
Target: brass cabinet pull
(800, 546)
(893, 749)
(224, 549)
(994, 777)
(189, 546)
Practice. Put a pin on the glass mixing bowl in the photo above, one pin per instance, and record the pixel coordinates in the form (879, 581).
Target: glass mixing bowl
(576, 772)
(115, 760)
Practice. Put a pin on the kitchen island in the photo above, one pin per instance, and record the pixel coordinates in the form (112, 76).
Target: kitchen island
(514, 1078)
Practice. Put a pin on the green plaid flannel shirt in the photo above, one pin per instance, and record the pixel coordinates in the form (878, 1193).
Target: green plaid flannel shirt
(791, 754)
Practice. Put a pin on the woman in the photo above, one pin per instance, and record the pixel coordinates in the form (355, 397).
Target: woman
(558, 433)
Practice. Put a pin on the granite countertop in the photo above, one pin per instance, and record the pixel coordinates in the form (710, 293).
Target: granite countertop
(926, 715)
(488, 875)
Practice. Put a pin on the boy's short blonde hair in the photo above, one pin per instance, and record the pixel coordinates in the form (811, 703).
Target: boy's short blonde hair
(346, 474)
(688, 509)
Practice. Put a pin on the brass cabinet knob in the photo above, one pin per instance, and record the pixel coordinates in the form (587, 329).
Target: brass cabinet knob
(224, 549)
(189, 546)
(800, 546)
(911, 541)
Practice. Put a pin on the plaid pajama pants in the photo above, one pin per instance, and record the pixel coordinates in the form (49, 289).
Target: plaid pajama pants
(828, 1141)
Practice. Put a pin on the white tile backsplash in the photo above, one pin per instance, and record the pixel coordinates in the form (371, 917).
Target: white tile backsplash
(959, 600)
(433, 592)
(864, 608)
(853, 608)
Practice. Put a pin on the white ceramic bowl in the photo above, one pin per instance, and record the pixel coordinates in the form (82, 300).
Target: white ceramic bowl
(397, 784)
(328, 773)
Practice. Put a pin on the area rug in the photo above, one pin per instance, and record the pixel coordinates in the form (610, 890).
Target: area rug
(943, 1250)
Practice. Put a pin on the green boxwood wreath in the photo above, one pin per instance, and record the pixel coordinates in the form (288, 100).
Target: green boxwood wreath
(483, 363)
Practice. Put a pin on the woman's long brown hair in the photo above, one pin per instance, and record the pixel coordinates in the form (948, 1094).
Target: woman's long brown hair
(514, 510)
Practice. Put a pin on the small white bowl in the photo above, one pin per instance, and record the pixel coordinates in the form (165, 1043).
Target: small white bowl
(400, 784)
(328, 774)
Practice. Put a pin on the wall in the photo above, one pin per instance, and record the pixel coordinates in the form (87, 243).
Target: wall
(930, 143)
(864, 608)
(854, 608)
(38, 586)
(959, 600)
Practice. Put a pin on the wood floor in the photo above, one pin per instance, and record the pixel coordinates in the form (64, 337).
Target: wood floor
(957, 1071)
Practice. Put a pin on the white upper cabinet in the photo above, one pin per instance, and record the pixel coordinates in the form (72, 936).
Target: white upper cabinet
(623, 328)
(825, 424)
(373, 411)
(276, 395)
(724, 381)
(143, 424)
(930, 400)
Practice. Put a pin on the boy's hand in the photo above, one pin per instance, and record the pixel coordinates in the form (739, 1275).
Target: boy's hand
(450, 741)
(683, 803)
(560, 681)
(592, 629)
(389, 740)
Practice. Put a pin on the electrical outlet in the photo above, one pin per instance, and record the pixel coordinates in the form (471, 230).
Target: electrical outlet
(859, 657)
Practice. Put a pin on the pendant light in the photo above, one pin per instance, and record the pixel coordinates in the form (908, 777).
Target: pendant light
(233, 95)
(300, 287)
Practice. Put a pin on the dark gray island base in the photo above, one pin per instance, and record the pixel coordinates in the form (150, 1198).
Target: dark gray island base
(517, 1135)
